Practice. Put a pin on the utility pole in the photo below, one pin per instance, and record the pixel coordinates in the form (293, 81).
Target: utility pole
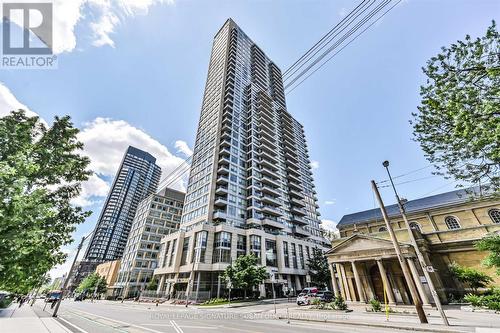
(402, 261)
(65, 284)
(423, 264)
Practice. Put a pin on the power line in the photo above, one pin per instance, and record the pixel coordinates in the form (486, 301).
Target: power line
(321, 41)
(410, 181)
(178, 172)
(357, 25)
(359, 34)
(405, 174)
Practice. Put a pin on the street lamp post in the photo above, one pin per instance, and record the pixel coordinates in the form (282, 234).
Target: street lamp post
(401, 259)
(423, 264)
(65, 284)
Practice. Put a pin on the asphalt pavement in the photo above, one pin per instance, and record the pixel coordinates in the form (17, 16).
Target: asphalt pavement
(104, 316)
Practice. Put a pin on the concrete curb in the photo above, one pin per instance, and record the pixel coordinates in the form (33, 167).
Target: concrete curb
(380, 325)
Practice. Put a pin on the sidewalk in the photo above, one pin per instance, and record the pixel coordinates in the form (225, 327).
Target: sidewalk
(25, 319)
(460, 321)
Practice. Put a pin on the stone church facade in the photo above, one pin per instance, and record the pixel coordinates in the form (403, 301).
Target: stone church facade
(363, 261)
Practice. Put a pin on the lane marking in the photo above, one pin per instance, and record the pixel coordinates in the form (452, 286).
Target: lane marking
(176, 327)
(72, 325)
(93, 321)
(122, 322)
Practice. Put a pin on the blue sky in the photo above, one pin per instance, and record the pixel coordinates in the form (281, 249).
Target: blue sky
(141, 72)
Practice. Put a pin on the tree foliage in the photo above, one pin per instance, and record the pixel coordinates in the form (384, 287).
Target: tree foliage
(152, 285)
(245, 273)
(90, 282)
(470, 276)
(491, 243)
(40, 172)
(458, 126)
(318, 268)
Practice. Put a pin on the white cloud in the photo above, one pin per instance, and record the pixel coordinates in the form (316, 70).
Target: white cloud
(182, 147)
(106, 141)
(92, 188)
(330, 202)
(314, 165)
(9, 102)
(342, 12)
(328, 225)
(106, 15)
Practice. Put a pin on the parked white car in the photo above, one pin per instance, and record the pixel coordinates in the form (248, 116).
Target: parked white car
(306, 296)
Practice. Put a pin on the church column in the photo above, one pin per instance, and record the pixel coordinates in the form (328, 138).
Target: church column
(334, 280)
(346, 285)
(359, 286)
(387, 285)
(341, 282)
(418, 282)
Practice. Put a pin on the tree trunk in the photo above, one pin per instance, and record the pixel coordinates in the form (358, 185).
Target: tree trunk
(245, 293)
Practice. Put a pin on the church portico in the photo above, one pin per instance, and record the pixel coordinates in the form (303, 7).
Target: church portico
(366, 267)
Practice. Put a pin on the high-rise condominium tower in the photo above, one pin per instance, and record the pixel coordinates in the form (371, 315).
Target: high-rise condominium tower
(250, 189)
(137, 178)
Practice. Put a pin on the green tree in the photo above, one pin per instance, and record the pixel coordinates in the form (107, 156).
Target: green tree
(470, 276)
(491, 243)
(458, 126)
(318, 268)
(245, 273)
(40, 172)
(152, 285)
(90, 282)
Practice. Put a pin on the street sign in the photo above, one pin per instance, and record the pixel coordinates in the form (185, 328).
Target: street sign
(308, 278)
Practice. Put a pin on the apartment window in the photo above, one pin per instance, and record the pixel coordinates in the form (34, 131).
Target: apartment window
(185, 247)
(271, 255)
(452, 222)
(200, 248)
(255, 245)
(222, 247)
(416, 226)
(301, 257)
(172, 253)
(294, 256)
(286, 256)
(494, 215)
(241, 246)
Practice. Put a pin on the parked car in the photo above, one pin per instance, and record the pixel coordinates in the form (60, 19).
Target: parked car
(306, 296)
(325, 296)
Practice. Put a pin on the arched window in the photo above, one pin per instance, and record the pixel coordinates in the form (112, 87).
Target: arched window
(381, 229)
(452, 222)
(416, 226)
(494, 215)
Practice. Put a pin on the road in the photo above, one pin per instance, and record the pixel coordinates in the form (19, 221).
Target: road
(103, 316)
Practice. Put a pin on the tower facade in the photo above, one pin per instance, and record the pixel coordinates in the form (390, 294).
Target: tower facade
(250, 189)
(137, 178)
(157, 215)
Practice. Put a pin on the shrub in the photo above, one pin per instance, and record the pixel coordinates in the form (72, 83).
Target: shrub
(375, 303)
(214, 301)
(339, 304)
(474, 300)
(316, 301)
(470, 276)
